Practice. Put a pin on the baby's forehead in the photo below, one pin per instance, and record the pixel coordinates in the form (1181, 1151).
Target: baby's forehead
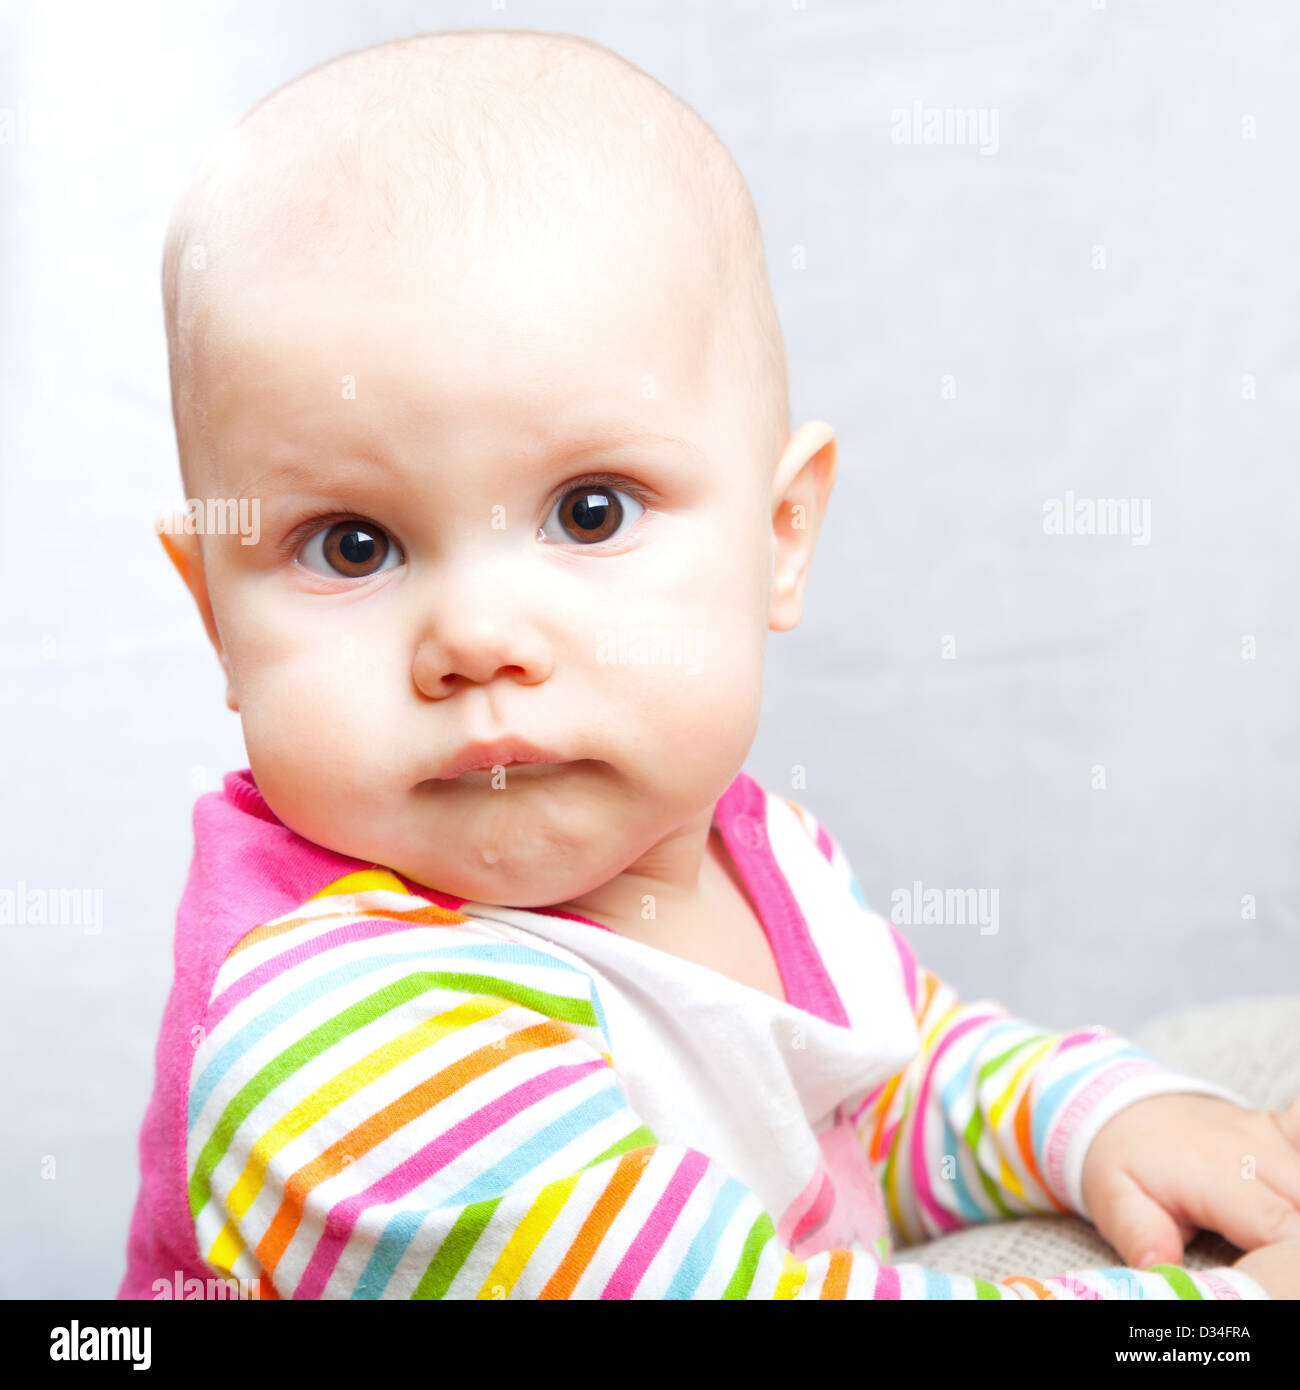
(505, 162)
(468, 145)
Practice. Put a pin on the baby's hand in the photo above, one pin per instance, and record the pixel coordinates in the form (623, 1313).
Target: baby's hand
(1170, 1164)
(1276, 1268)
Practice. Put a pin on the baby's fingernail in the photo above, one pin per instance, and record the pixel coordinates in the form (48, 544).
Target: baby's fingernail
(1147, 1260)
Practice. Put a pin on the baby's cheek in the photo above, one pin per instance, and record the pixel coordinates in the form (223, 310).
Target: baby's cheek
(312, 737)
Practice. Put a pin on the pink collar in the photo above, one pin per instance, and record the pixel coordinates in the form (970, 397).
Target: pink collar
(741, 816)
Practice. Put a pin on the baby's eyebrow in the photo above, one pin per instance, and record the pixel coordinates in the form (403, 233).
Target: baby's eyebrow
(324, 471)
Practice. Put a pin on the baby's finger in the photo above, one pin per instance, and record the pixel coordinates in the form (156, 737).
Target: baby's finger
(1265, 1153)
(1139, 1228)
(1288, 1121)
(1249, 1214)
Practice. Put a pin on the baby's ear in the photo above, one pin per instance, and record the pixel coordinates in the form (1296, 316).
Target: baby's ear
(801, 487)
(186, 553)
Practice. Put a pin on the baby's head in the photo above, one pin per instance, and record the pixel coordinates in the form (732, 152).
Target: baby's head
(481, 323)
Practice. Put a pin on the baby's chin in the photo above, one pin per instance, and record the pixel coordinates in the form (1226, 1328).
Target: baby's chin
(531, 845)
(476, 874)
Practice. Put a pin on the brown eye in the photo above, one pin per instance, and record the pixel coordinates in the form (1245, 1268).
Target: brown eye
(353, 549)
(590, 513)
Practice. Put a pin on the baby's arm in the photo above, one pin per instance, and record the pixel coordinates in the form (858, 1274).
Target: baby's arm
(435, 1113)
(994, 1116)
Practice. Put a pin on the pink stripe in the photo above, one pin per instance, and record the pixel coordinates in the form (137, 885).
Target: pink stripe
(824, 843)
(868, 1103)
(741, 817)
(887, 1136)
(888, 1283)
(427, 1161)
(910, 971)
(1072, 1115)
(799, 1208)
(1219, 1287)
(422, 890)
(632, 1267)
(817, 1213)
(920, 1178)
(360, 930)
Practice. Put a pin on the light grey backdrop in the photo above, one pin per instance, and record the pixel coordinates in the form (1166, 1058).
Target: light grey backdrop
(1105, 302)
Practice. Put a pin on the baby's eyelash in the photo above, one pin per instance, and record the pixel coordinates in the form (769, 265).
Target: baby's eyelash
(612, 481)
(310, 525)
(308, 528)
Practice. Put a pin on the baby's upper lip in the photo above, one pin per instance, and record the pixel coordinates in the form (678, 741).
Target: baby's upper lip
(502, 751)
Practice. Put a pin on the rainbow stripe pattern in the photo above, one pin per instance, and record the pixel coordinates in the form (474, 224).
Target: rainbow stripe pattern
(390, 1100)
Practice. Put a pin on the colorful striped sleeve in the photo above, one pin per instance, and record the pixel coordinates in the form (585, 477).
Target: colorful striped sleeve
(390, 1100)
(994, 1116)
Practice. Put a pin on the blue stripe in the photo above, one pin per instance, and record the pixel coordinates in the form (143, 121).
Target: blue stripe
(956, 1145)
(1051, 1099)
(547, 1142)
(937, 1285)
(295, 1002)
(402, 1228)
(695, 1263)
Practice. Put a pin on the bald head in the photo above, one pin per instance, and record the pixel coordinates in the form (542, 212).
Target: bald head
(447, 148)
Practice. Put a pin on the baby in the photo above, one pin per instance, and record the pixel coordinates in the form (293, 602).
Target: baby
(496, 975)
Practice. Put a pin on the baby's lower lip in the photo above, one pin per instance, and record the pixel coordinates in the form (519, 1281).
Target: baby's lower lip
(509, 767)
(483, 774)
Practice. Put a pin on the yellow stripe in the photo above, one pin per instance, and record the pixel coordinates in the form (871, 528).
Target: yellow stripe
(364, 881)
(1008, 1178)
(1001, 1103)
(226, 1250)
(891, 1173)
(525, 1237)
(938, 1028)
(339, 1088)
(793, 1275)
(346, 1084)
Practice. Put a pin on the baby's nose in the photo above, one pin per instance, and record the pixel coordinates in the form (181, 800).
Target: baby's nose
(475, 649)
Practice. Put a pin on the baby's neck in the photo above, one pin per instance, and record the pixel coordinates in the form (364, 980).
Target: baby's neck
(668, 885)
(709, 920)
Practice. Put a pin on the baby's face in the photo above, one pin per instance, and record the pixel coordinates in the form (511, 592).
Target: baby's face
(521, 499)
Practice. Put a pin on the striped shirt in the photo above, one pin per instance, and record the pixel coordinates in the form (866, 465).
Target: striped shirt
(367, 1089)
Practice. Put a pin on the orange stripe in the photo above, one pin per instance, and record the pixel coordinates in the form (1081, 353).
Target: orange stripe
(883, 1114)
(1040, 1290)
(430, 913)
(929, 984)
(608, 1205)
(1025, 1144)
(836, 1283)
(379, 1126)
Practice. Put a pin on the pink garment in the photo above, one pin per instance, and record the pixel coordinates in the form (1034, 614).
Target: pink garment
(249, 868)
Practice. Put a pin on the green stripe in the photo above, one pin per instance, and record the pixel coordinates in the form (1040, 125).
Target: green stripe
(639, 1139)
(334, 1030)
(742, 1280)
(983, 1289)
(472, 1221)
(454, 1250)
(1002, 1059)
(991, 1189)
(975, 1128)
(898, 1131)
(1179, 1280)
